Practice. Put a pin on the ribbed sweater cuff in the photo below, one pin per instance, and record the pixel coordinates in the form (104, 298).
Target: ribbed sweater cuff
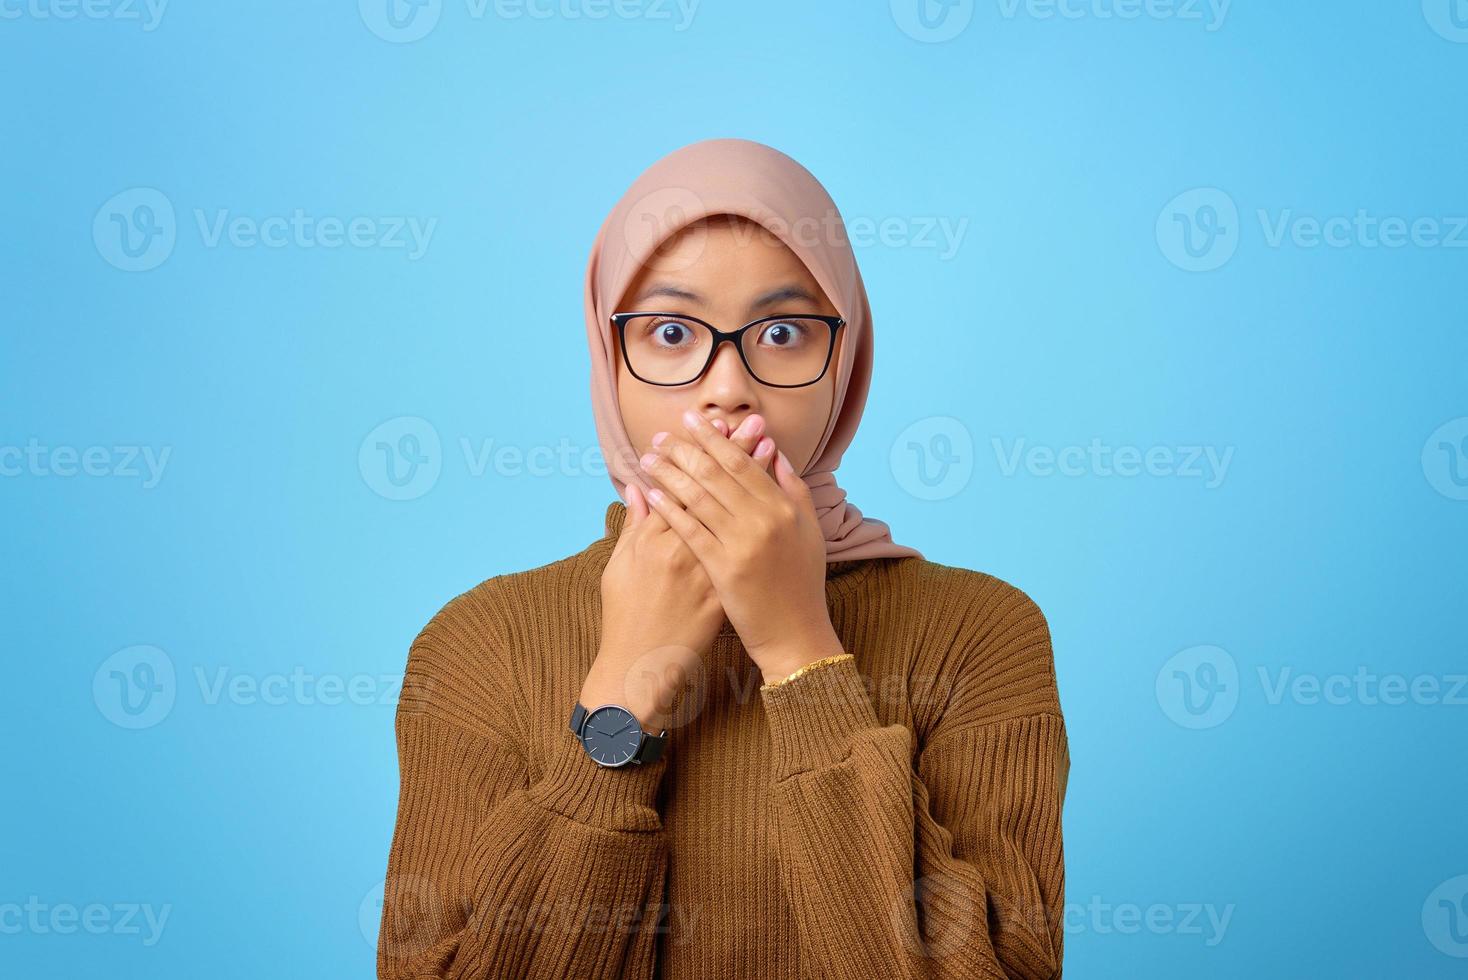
(622, 798)
(813, 717)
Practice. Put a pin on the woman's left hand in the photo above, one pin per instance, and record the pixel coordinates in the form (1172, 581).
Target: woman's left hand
(757, 538)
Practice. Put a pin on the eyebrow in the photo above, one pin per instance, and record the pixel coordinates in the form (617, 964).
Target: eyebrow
(780, 295)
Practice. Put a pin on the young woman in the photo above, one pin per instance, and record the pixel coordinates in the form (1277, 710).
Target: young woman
(744, 733)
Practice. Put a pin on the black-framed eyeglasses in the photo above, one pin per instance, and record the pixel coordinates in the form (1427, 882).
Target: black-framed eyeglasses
(790, 351)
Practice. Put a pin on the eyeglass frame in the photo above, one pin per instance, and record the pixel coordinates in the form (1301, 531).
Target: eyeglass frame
(619, 320)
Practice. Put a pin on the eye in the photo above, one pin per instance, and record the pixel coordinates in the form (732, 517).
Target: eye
(785, 334)
(669, 332)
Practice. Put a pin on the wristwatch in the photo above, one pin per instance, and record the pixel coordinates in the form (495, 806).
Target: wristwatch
(613, 737)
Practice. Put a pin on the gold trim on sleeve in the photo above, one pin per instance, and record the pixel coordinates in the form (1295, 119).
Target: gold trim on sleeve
(814, 665)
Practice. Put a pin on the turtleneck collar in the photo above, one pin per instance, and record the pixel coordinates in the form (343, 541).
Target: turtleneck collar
(616, 516)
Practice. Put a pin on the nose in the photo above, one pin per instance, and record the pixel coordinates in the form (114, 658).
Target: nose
(727, 390)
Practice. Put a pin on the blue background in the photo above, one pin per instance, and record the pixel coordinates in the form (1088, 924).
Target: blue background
(271, 543)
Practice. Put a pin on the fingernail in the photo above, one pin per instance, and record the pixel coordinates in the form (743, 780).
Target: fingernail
(657, 440)
(691, 418)
(656, 496)
(763, 449)
(647, 460)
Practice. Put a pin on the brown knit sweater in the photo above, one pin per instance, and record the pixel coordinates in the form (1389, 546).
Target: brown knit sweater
(895, 815)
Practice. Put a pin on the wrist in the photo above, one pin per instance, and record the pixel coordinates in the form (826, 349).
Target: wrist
(645, 697)
(780, 662)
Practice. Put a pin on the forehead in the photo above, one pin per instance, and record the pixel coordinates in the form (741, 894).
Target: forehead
(726, 256)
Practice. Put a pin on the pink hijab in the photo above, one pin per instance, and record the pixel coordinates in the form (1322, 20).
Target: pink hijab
(758, 182)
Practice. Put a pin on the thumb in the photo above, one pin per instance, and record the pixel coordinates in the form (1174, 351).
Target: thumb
(637, 506)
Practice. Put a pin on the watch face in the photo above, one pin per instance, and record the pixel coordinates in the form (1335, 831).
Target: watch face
(611, 734)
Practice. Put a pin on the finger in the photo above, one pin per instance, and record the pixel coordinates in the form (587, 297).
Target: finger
(637, 509)
(700, 540)
(749, 436)
(790, 481)
(641, 518)
(743, 473)
(671, 464)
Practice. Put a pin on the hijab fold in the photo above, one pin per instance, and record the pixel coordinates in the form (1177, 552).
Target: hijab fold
(749, 179)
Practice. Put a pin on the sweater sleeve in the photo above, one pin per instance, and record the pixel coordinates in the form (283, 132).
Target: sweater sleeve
(493, 873)
(942, 865)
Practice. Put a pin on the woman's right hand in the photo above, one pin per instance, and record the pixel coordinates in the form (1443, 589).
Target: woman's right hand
(660, 612)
